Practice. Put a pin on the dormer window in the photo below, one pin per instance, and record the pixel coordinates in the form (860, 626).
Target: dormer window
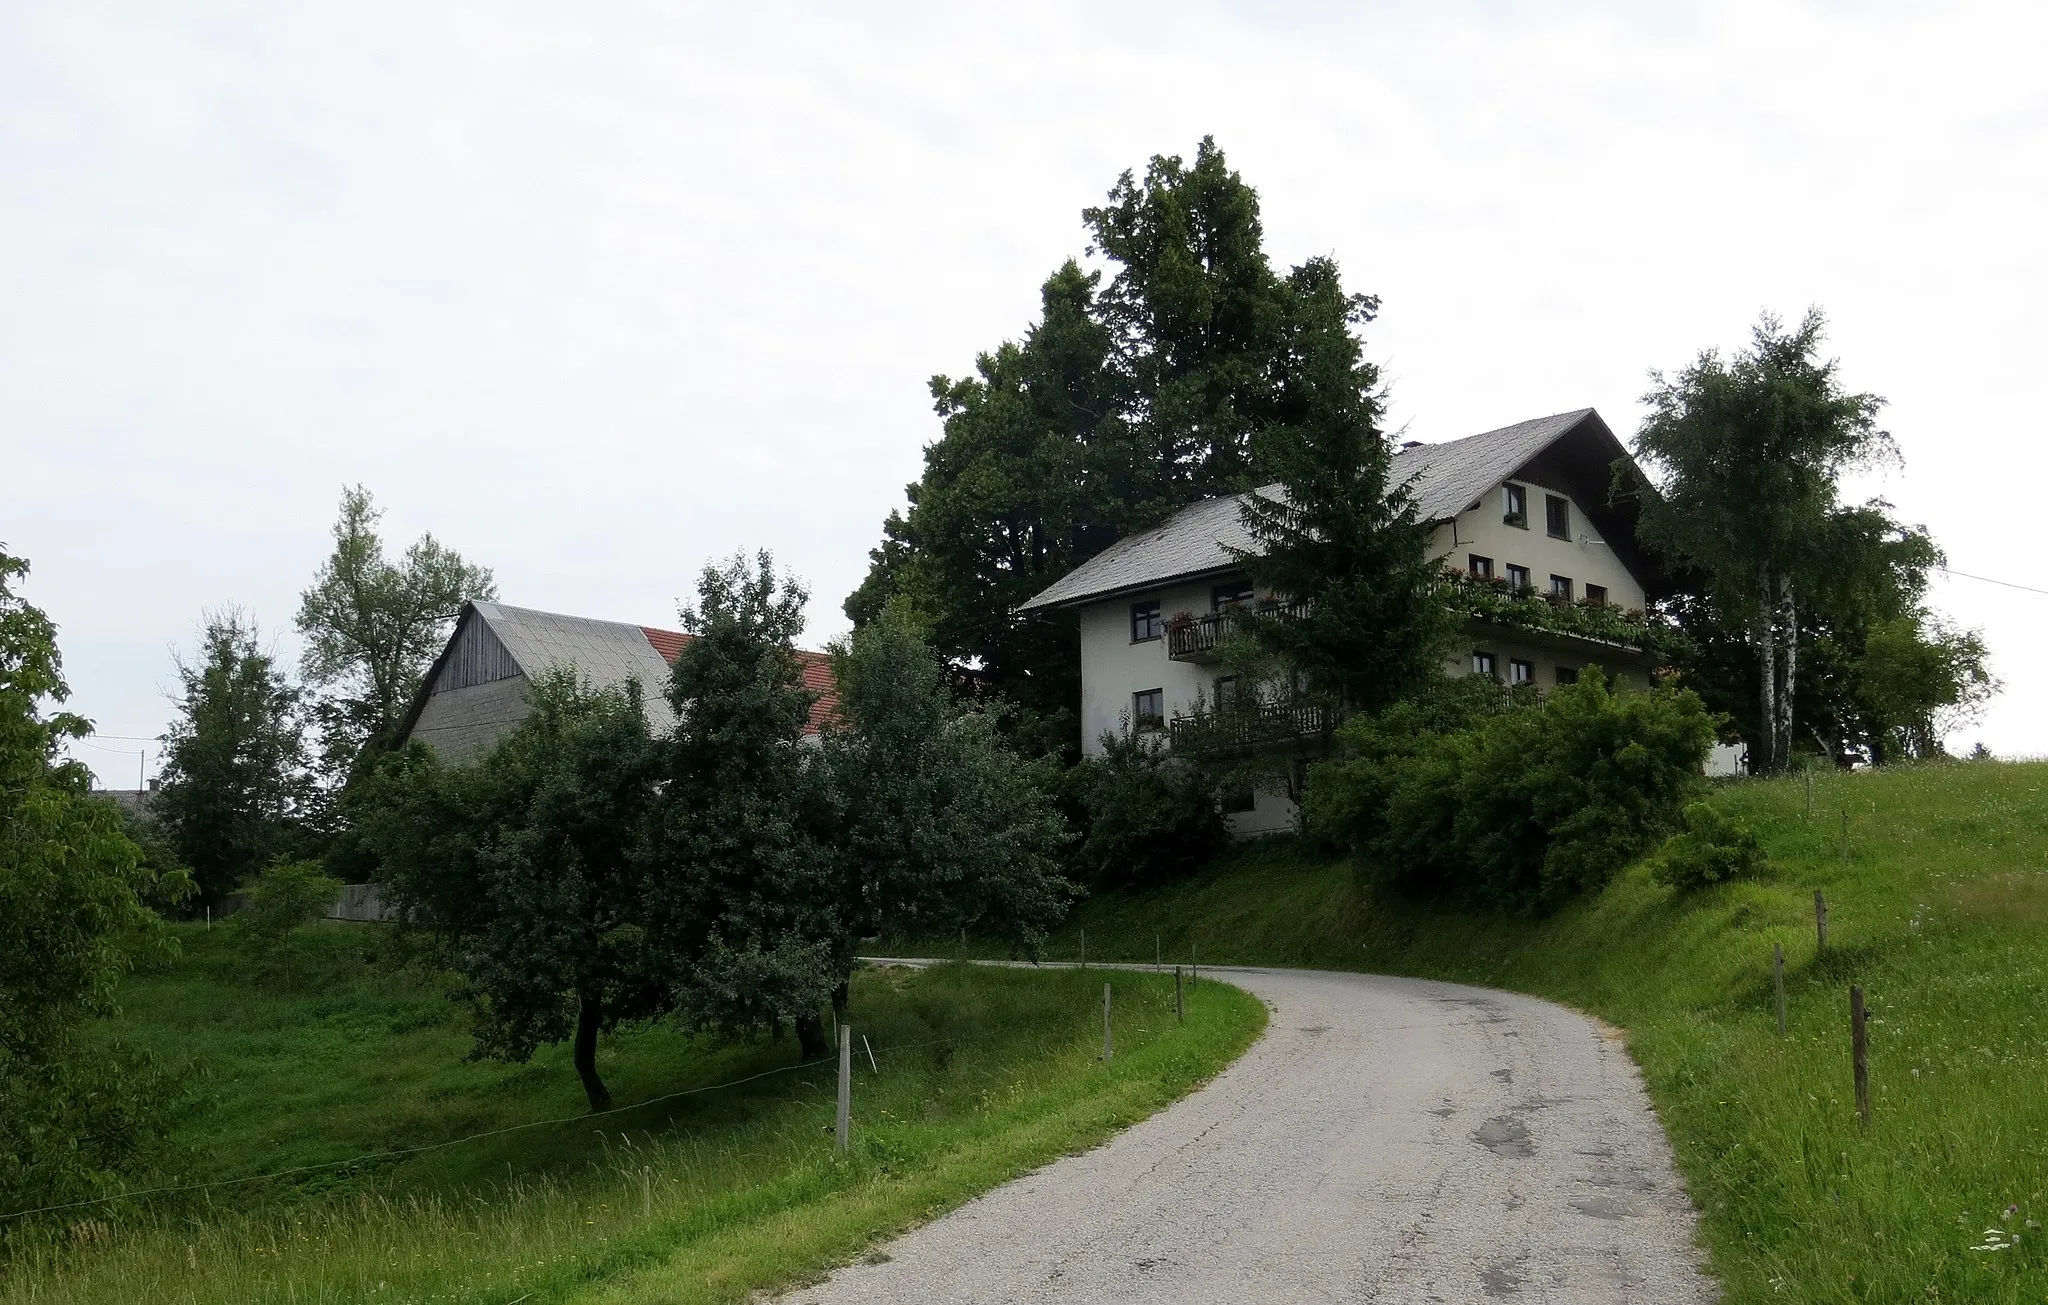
(1514, 506)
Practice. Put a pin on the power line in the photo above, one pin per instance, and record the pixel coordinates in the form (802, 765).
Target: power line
(1989, 581)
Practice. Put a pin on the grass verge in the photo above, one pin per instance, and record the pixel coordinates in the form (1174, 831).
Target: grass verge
(1936, 880)
(978, 1076)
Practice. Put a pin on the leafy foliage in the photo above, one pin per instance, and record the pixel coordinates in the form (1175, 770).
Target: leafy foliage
(1750, 451)
(237, 791)
(1713, 848)
(1151, 817)
(73, 1112)
(746, 915)
(1125, 402)
(283, 897)
(935, 824)
(1337, 536)
(372, 626)
(526, 874)
(1494, 600)
(1522, 808)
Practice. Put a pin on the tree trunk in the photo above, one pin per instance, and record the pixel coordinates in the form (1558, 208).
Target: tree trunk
(1763, 750)
(589, 1014)
(810, 1037)
(841, 995)
(1788, 606)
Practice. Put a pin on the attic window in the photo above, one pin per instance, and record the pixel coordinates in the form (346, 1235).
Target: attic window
(1514, 505)
(1557, 516)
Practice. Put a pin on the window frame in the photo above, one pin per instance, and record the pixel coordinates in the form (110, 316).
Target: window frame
(1479, 568)
(1596, 594)
(1557, 516)
(1566, 674)
(1514, 505)
(1520, 583)
(1143, 722)
(1486, 663)
(1223, 683)
(1521, 671)
(1226, 597)
(1561, 586)
(1157, 622)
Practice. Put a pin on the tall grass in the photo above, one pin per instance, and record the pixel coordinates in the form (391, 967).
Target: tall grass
(977, 1076)
(1938, 907)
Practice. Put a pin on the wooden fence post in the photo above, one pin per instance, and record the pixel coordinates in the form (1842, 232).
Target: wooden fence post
(1820, 920)
(1084, 949)
(1859, 1053)
(1778, 980)
(1180, 1005)
(1108, 1043)
(1809, 795)
(842, 1134)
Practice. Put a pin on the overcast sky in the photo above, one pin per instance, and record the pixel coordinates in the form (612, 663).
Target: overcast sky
(596, 293)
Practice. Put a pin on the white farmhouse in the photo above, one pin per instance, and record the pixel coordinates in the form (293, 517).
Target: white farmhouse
(1528, 505)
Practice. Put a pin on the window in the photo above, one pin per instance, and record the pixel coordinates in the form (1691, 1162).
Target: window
(1514, 506)
(1567, 675)
(1483, 664)
(1238, 594)
(1597, 594)
(1148, 709)
(1557, 516)
(1145, 622)
(1479, 568)
(1518, 576)
(1226, 693)
(1561, 587)
(1239, 802)
(1521, 672)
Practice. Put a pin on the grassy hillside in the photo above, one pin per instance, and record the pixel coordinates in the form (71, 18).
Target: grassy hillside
(1938, 901)
(977, 1076)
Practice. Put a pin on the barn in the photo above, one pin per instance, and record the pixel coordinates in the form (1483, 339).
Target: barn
(475, 692)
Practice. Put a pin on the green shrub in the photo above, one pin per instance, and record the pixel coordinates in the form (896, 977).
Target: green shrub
(280, 899)
(1149, 818)
(1711, 849)
(1521, 808)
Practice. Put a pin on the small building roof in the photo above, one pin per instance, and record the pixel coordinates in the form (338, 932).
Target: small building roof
(604, 653)
(1208, 537)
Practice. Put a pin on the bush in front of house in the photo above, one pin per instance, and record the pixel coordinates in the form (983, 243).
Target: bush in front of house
(1711, 849)
(1523, 807)
(1149, 819)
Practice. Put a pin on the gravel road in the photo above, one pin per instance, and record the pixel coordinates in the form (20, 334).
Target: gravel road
(1388, 1140)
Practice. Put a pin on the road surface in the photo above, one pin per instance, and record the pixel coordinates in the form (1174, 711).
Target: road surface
(1388, 1140)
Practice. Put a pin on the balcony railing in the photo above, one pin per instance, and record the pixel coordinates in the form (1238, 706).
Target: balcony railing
(1199, 639)
(1250, 727)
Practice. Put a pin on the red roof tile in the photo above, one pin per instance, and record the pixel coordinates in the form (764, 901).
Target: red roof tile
(817, 672)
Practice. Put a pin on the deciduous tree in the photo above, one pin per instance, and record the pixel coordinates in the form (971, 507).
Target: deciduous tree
(527, 873)
(1749, 451)
(73, 1111)
(372, 626)
(236, 784)
(746, 915)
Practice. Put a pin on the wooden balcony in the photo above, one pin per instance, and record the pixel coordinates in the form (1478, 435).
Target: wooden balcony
(1267, 724)
(1202, 639)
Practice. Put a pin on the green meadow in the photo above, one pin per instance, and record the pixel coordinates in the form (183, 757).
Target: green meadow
(966, 1078)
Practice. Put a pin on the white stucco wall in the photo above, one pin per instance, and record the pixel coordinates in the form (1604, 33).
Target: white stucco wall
(1113, 668)
(1584, 557)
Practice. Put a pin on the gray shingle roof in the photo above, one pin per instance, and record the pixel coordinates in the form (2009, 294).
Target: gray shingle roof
(602, 652)
(1198, 539)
